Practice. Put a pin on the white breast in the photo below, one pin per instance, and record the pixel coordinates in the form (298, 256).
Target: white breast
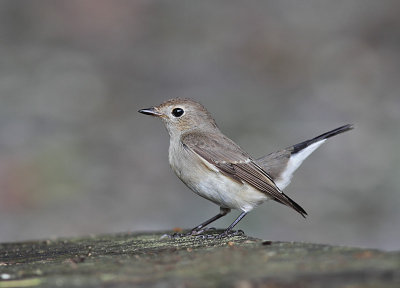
(204, 179)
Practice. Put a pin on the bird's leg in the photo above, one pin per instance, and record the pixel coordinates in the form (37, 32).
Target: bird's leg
(199, 229)
(228, 232)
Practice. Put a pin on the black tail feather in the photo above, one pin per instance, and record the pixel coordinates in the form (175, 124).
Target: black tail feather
(300, 146)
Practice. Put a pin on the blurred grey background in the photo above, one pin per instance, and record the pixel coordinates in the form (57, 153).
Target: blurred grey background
(76, 158)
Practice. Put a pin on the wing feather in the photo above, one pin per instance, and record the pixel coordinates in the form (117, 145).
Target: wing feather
(235, 163)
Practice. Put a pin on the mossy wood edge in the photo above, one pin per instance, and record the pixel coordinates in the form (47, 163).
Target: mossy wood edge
(144, 259)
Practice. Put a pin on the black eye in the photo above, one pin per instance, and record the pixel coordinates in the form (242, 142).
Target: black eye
(177, 112)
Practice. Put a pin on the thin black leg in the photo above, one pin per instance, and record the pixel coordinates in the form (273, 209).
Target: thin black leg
(236, 221)
(222, 213)
(228, 230)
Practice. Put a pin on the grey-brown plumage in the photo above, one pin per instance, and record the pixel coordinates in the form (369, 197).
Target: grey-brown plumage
(235, 163)
(216, 168)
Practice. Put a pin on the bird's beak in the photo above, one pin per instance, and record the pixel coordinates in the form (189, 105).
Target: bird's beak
(150, 111)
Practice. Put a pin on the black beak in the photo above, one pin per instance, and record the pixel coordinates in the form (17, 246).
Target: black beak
(150, 111)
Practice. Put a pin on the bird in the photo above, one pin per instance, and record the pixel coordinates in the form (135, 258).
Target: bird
(217, 169)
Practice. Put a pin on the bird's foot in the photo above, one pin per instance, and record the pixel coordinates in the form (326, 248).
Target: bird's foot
(225, 234)
(179, 235)
(205, 233)
(197, 232)
(230, 233)
(193, 232)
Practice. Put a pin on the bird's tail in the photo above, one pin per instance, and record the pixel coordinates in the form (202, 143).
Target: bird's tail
(301, 146)
(282, 164)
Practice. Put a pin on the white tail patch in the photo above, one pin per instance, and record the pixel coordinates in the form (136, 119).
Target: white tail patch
(294, 163)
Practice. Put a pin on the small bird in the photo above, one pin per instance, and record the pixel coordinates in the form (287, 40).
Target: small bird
(216, 168)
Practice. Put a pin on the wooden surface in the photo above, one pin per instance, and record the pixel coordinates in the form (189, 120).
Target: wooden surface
(145, 260)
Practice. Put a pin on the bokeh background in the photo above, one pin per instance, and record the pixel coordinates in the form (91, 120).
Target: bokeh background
(76, 158)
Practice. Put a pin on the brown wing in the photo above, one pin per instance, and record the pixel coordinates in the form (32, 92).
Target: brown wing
(235, 163)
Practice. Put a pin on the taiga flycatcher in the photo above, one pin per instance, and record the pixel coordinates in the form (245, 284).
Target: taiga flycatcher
(216, 168)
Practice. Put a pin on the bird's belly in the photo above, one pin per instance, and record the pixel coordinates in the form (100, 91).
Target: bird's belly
(227, 193)
(220, 189)
(206, 180)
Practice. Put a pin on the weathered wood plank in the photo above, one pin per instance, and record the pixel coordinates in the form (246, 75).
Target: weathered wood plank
(143, 259)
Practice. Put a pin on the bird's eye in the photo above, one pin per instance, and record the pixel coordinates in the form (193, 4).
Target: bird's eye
(177, 112)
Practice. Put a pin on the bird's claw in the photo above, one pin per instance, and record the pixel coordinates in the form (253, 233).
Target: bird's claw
(198, 232)
(225, 234)
(176, 235)
(230, 233)
(201, 234)
(193, 232)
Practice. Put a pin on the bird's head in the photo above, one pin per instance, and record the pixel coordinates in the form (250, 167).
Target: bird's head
(182, 115)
